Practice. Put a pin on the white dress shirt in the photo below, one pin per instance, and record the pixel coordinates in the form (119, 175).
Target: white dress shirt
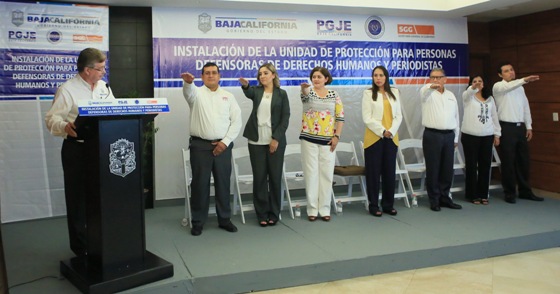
(440, 110)
(65, 104)
(512, 102)
(214, 114)
(479, 118)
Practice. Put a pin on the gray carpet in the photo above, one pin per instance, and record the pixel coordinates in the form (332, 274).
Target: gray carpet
(297, 252)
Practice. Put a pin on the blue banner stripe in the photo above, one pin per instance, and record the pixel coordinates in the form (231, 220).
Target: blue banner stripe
(20, 98)
(235, 83)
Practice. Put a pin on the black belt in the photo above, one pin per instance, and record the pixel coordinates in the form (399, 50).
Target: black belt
(204, 140)
(515, 124)
(74, 139)
(440, 131)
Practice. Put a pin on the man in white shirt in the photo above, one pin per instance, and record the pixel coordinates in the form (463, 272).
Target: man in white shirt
(440, 117)
(86, 85)
(215, 123)
(515, 119)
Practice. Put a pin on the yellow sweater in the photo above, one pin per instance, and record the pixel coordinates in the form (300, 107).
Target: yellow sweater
(370, 137)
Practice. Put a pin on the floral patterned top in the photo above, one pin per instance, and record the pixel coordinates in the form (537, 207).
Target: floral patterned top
(320, 116)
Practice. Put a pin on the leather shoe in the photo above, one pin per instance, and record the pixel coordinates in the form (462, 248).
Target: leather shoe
(510, 199)
(229, 226)
(532, 197)
(435, 207)
(450, 205)
(196, 230)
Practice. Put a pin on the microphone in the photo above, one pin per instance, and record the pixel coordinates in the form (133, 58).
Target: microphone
(109, 90)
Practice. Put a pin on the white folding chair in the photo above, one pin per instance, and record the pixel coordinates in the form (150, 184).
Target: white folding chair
(187, 219)
(411, 159)
(349, 150)
(292, 172)
(496, 163)
(238, 155)
(458, 166)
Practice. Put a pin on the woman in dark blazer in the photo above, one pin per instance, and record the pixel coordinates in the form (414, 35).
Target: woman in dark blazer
(266, 131)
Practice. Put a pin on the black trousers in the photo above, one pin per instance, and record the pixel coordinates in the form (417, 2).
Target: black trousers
(478, 158)
(380, 160)
(267, 181)
(203, 165)
(74, 165)
(438, 148)
(515, 159)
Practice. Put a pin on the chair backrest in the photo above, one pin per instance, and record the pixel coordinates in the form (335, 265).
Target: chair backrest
(292, 149)
(410, 155)
(496, 161)
(344, 147)
(241, 165)
(292, 163)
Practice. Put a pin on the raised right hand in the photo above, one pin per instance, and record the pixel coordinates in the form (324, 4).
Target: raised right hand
(531, 78)
(187, 77)
(243, 82)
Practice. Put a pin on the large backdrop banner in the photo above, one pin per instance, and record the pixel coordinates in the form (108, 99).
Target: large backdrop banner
(349, 46)
(39, 46)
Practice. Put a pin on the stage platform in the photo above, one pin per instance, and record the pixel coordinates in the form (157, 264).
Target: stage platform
(297, 252)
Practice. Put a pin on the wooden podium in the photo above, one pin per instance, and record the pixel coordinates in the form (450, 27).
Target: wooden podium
(116, 258)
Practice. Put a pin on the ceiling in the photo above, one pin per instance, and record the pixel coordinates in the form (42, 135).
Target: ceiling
(475, 10)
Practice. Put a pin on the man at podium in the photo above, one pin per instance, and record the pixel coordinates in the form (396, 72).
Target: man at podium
(215, 123)
(86, 85)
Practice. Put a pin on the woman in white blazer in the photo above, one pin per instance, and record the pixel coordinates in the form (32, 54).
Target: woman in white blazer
(381, 112)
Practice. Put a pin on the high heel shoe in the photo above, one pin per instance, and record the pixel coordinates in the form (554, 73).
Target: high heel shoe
(391, 211)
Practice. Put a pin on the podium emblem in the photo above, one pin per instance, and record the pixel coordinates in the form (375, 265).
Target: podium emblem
(122, 159)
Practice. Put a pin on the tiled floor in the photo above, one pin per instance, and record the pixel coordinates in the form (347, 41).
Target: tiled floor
(530, 272)
(536, 272)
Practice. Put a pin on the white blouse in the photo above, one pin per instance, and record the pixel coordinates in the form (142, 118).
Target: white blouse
(264, 121)
(479, 118)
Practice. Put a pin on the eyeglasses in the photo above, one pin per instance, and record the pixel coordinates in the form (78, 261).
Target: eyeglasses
(103, 69)
(437, 77)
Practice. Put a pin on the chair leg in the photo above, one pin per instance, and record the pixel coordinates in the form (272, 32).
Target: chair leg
(287, 191)
(364, 192)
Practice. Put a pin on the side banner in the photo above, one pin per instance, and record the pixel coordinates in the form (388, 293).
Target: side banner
(349, 46)
(39, 43)
(39, 46)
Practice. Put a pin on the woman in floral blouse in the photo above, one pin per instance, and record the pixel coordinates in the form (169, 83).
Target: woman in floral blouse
(322, 121)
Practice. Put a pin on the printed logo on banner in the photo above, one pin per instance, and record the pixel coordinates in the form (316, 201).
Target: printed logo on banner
(59, 21)
(267, 26)
(375, 28)
(334, 28)
(409, 30)
(122, 158)
(22, 36)
(81, 38)
(17, 17)
(205, 22)
(54, 37)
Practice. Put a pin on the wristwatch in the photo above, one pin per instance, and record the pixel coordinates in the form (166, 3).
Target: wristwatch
(337, 136)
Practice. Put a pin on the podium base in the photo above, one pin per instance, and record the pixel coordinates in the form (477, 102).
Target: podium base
(93, 281)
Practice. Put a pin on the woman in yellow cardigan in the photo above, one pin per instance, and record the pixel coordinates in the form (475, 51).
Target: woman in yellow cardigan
(381, 112)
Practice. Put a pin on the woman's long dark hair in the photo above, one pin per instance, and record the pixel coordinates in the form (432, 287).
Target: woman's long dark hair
(485, 90)
(386, 86)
